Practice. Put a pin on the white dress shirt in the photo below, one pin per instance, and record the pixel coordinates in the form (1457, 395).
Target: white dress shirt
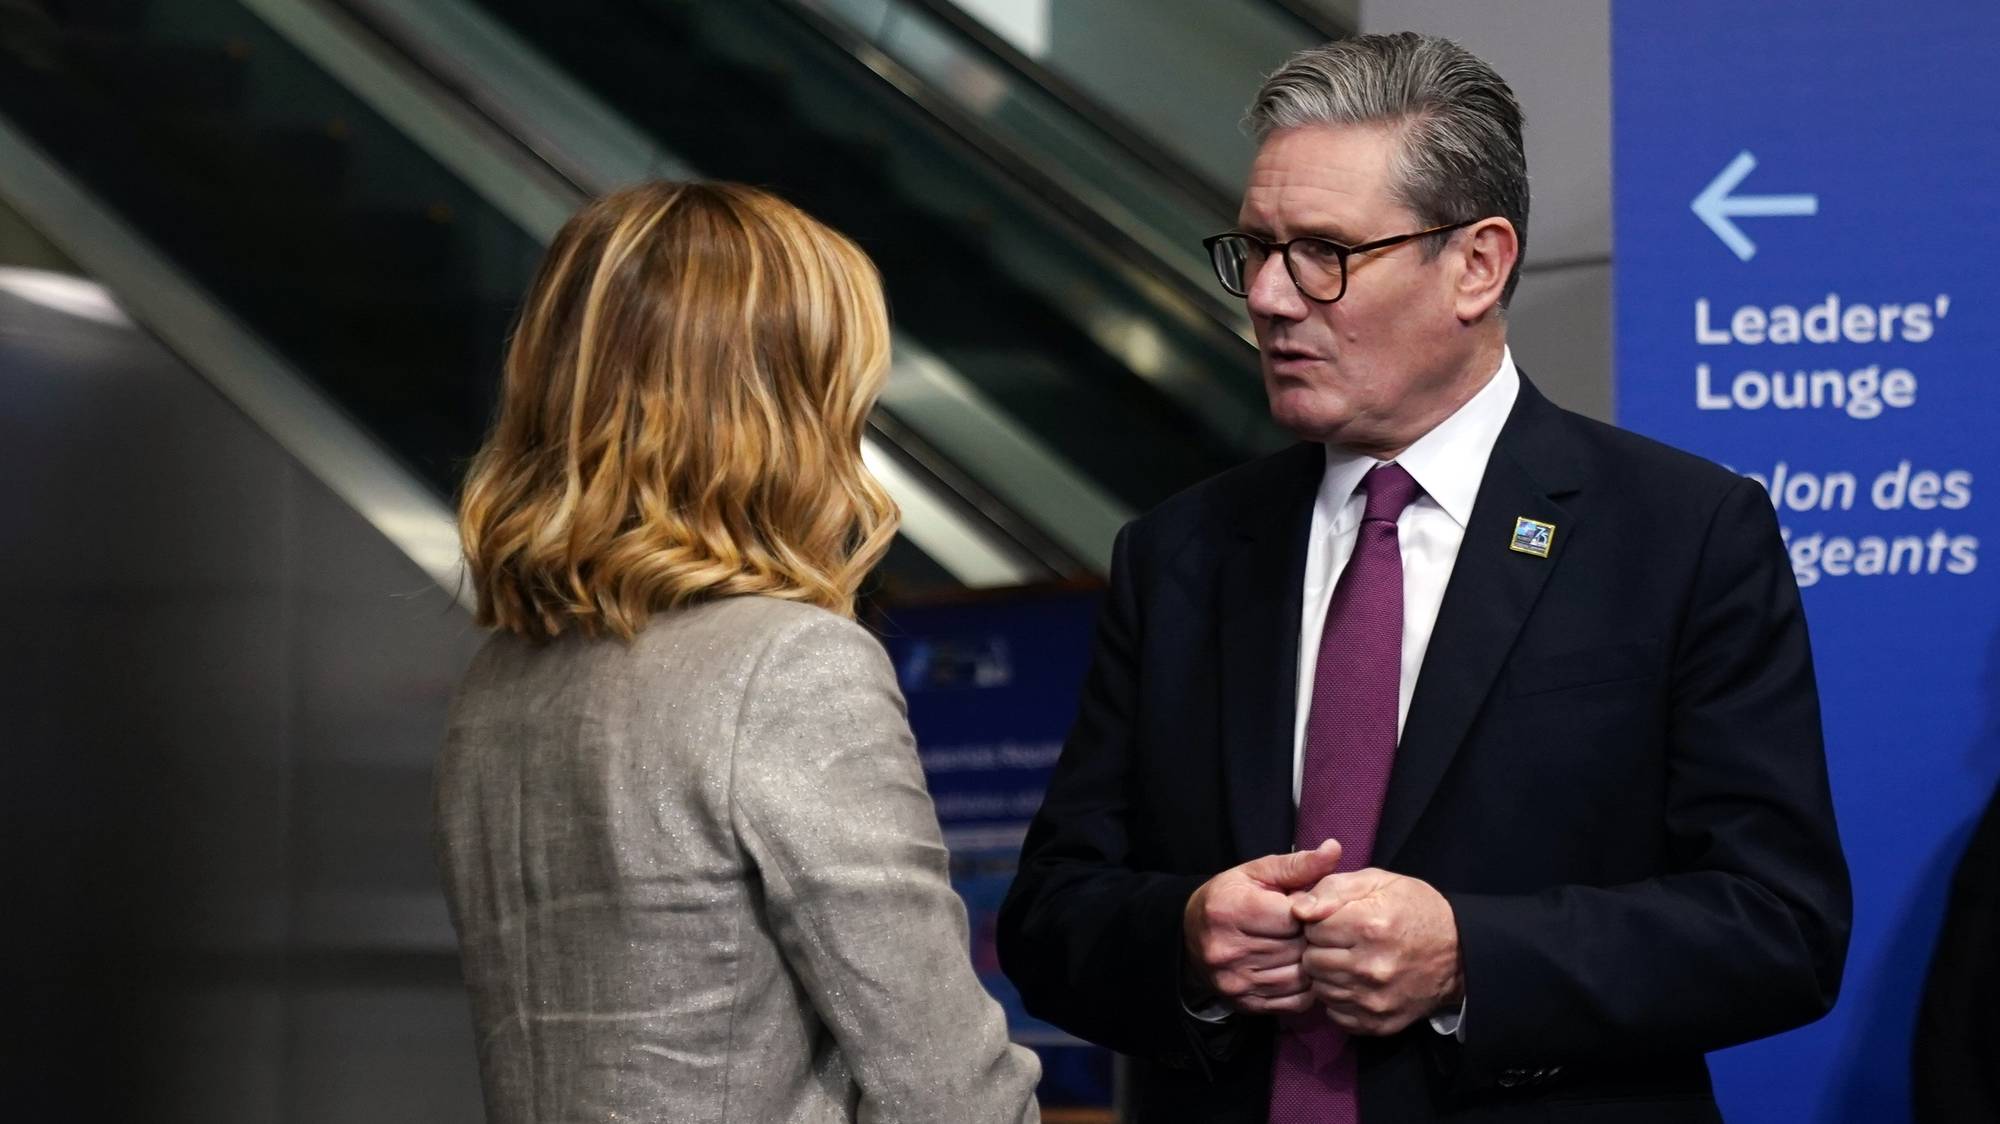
(1448, 463)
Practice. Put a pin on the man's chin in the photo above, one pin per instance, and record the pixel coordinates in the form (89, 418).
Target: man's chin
(1307, 421)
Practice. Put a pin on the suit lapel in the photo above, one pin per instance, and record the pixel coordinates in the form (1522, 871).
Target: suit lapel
(1492, 590)
(1261, 598)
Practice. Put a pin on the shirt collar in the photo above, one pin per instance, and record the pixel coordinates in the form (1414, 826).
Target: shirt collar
(1448, 462)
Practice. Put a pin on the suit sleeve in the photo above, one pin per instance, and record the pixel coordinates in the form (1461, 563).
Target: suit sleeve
(1092, 941)
(1745, 933)
(829, 801)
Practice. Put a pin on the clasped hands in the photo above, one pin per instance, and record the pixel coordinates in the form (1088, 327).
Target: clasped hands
(1284, 933)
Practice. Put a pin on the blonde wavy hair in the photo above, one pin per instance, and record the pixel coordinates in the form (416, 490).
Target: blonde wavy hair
(681, 418)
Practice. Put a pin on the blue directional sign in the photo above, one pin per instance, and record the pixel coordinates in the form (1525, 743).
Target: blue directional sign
(1807, 274)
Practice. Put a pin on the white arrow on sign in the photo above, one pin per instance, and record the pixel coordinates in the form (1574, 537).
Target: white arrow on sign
(1715, 206)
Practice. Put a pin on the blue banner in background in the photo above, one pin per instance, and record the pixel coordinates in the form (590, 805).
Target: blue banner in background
(1807, 228)
(992, 684)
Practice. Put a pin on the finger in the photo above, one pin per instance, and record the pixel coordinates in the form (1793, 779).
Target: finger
(1288, 1005)
(1353, 885)
(1321, 897)
(1272, 954)
(1353, 968)
(1344, 928)
(1276, 976)
(1323, 961)
(1272, 983)
(1335, 891)
(1295, 870)
(1335, 997)
(1334, 985)
(1245, 913)
(1308, 909)
(1337, 980)
(1330, 955)
(1220, 956)
(1236, 986)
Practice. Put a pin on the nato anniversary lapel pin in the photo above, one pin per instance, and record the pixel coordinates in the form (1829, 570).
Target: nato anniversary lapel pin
(1531, 536)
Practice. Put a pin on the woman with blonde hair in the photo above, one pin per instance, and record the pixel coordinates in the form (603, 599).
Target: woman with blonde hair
(695, 872)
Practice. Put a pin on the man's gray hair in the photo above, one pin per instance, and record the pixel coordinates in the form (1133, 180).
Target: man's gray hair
(1461, 157)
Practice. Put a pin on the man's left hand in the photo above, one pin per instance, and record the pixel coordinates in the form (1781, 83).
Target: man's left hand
(1382, 950)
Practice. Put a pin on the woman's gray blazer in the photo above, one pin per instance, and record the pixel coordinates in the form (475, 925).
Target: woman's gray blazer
(699, 878)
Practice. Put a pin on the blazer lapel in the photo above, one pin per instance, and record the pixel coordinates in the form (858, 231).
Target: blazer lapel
(1493, 588)
(1261, 598)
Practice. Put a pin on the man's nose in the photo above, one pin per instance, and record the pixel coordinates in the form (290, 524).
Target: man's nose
(1272, 293)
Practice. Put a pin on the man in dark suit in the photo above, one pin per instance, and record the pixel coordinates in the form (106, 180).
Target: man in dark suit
(1462, 762)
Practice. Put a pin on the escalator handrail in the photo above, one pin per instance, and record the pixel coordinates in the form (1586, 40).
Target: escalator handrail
(1215, 311)
(1182, 175)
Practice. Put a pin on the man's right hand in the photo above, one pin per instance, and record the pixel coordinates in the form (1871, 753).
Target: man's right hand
(1242, 943)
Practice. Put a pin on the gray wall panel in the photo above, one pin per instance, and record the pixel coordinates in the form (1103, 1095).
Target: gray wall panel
(225, 693)
(1561, 335)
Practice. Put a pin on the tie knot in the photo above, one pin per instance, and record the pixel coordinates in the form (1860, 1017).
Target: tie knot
(1390, 489)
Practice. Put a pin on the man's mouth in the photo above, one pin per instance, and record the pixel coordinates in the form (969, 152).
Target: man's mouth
(1286, 357)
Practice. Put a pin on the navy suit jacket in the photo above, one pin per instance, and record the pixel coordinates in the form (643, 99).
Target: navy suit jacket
(1612, 768)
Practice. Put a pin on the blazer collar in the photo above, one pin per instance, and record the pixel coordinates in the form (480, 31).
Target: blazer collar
(1534, 468)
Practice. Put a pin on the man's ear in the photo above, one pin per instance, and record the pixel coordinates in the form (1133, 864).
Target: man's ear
(1486, 254)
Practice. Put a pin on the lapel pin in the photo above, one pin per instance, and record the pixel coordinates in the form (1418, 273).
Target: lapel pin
(1533, 537)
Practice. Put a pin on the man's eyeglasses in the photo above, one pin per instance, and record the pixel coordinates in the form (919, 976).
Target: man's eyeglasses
(1318, 265)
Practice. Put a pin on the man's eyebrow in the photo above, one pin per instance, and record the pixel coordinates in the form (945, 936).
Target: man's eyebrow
(1318, 230)
(1330, 233)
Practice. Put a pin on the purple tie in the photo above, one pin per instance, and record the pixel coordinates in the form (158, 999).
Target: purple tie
(1350, 744)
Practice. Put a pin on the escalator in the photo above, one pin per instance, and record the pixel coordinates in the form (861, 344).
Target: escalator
(330, 235)
(1134, 372)
(365, 186)
(294, 216)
